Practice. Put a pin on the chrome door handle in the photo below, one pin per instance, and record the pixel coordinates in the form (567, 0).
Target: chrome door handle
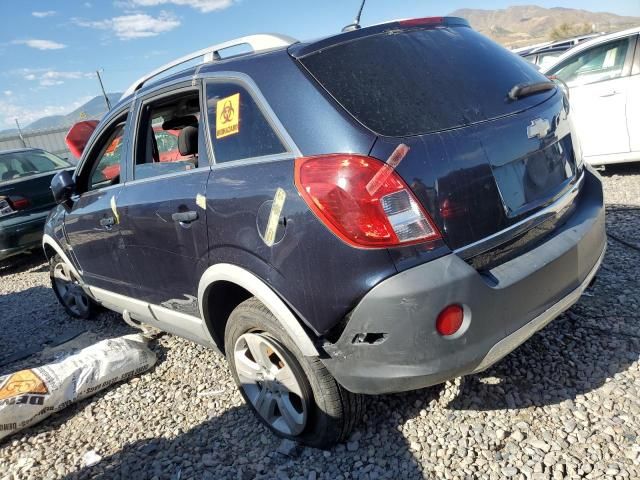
(185, 217)
(610, 93)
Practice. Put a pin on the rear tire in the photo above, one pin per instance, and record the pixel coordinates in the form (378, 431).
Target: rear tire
(66, 286)
(324, 413)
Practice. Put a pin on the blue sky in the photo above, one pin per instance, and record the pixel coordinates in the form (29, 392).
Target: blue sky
(50, 49)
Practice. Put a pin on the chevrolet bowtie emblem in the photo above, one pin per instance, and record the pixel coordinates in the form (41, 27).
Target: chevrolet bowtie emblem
(538, 128)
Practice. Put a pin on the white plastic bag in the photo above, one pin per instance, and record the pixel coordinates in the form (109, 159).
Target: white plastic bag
(28, 396)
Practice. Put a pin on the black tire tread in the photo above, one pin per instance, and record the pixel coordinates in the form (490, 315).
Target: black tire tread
(345, 407)
(93, 307)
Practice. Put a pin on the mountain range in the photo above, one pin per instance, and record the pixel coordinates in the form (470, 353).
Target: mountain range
(529, 24)
(93, 109)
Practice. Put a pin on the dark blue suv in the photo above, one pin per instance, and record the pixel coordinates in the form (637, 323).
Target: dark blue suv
(377, 211)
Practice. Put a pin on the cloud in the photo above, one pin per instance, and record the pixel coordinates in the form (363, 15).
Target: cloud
(48, 78)
(40, 44)
(137, 25)
(204, 6)
(10, 109)
(46, 13)
(8, 93)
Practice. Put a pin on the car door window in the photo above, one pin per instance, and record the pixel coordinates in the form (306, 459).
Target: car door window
(239, 128)
(107, 168)
(168, 136)
(598, 63)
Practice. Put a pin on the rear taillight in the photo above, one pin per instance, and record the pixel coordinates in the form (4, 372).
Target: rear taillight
(363, 201)
(18, 202)
(11, 204)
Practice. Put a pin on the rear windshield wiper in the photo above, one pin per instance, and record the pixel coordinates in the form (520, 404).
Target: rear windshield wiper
(525, 89)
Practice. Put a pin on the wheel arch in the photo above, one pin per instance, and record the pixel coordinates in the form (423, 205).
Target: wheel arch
(223, 286)
(51, 247)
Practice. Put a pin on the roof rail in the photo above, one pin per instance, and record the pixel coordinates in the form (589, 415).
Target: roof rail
(258, 42)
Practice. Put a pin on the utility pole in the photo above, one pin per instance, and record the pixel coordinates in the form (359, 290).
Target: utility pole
(24, 144)
(106, 99)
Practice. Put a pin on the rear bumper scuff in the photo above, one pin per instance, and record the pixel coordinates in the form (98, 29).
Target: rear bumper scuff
(506, 305)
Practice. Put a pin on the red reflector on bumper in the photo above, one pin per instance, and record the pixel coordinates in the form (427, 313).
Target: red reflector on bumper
(450, 320)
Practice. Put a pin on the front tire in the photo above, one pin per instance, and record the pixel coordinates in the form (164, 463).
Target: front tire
(66, 286)
(295, 396)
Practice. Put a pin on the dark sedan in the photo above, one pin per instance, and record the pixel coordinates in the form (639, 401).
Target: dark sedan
(25, 197)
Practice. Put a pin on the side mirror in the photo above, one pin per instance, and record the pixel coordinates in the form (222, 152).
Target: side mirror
(62, 187)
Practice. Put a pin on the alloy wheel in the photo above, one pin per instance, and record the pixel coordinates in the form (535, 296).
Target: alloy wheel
(71, 293)
(270, 383)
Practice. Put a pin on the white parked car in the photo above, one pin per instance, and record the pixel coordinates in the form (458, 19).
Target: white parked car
(603, 76)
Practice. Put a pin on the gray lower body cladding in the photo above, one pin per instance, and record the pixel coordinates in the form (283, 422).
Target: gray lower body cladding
(502, 309)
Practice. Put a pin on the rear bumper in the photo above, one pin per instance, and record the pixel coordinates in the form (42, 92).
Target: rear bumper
(21, 233)
(503, 308)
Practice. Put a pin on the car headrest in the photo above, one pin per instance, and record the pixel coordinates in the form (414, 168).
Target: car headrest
(177, 123)
(188, 141)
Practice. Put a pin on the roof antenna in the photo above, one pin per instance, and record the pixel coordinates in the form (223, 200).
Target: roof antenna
(356, 23)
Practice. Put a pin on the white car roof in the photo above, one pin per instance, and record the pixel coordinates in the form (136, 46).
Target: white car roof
(589, 43)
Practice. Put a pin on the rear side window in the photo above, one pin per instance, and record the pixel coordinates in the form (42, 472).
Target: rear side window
(417, 81)
(239, 128)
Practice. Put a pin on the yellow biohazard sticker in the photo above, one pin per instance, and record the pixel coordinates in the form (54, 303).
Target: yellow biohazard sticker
(228, 116)
(20, 383)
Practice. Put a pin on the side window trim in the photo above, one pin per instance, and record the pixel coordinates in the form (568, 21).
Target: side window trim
(635, 67)
(250, 86)
(178, 87)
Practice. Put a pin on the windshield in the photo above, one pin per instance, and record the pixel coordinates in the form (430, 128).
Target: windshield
(417, 81)
(30, 162)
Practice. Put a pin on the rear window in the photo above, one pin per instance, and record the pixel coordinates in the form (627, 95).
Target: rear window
(417, 81)
(23, 164)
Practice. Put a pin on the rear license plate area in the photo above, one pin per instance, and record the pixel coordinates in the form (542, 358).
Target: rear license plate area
(537, 178)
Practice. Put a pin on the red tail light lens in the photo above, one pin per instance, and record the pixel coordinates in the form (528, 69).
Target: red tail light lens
(412, 22)
(18, 202)
(363, 201)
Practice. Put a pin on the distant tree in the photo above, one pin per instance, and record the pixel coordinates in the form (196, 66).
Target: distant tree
(567, 30)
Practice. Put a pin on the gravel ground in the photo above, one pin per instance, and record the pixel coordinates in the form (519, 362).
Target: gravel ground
(564, 405)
